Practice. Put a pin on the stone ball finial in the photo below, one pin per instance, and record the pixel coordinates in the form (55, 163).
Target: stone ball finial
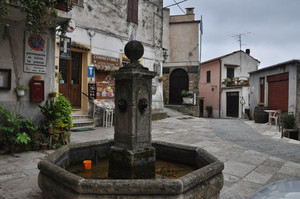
(134, 50)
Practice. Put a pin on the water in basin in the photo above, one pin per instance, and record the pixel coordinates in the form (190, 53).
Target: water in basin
(163, 170)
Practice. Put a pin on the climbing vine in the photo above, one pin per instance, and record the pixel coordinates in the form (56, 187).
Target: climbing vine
(3, 12)
(40, 14)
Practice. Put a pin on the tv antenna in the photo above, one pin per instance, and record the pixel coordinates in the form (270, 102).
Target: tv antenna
(238, 38)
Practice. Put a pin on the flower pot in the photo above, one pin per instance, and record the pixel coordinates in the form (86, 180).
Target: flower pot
(50, 130)
(260, 116)
(44, 146)
(87, 164)
(61, 5)
(36, 78)
(20, 93)
(36, 147)
(52, 95)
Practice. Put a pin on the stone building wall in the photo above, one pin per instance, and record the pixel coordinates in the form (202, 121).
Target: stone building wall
(192, 72)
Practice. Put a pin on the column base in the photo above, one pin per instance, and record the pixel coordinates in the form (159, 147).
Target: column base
(131, 164)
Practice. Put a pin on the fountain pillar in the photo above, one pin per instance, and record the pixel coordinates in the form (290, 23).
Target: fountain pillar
(132, 156)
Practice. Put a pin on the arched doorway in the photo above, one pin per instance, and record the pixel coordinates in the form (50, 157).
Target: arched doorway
(179, 81)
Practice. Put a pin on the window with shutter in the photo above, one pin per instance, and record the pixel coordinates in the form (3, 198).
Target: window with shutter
(208, 76)
(132, 12)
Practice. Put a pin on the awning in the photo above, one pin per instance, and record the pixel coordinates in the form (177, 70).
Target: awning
(80, 46)
(104, 67)
(77, 45)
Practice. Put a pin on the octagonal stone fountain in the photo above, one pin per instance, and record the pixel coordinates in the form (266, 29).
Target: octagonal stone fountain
(131, 154)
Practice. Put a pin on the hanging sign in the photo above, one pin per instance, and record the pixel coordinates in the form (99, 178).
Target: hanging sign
(35, 53)
(71, 26)
(91, 70)
(65, 48)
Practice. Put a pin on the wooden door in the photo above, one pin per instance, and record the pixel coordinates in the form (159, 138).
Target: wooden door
(179, 81)
(70, 85)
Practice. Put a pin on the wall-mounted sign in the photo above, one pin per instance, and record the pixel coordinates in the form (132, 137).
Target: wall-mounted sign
(91, 71)
(65, 48)
(105, 63)
(35, 53)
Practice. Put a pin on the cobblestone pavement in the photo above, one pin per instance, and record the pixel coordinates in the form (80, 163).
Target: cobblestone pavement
(254, 155)
(243, 135)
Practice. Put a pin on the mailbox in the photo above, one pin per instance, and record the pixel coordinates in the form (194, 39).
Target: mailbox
(37, 90)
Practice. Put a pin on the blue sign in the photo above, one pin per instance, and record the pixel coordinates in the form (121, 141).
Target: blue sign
(91, 71)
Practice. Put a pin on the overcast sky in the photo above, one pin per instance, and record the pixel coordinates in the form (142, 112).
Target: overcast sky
(272, 27)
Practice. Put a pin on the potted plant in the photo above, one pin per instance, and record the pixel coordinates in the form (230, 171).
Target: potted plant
(227, 81)
(66, 136)
(160, 79)
(52, 94)
(33, 131)
(64, 5)
(187, 97)
(260, 116)
(23, 140)
(50, 128)
(209, 110)
(35, 146)
(43, 141)
(36, 77)
(10, 125)
(20, 90)
(288, 121)
(59, 77)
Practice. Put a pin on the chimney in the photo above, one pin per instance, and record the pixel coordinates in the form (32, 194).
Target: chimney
(248, 51)
(189, 11)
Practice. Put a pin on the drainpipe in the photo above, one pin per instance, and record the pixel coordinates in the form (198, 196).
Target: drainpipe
(220, 88)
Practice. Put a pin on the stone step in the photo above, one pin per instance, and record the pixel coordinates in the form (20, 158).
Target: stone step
(80, 116)
(83, 122)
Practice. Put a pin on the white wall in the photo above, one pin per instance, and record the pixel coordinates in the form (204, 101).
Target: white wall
(243, 93)
(245, 64)
(255, 85)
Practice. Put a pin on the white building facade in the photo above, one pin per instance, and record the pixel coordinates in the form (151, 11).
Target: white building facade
(103, 28)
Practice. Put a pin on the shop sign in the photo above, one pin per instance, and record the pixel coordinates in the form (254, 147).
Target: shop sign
(65, 48)
(101, 61)
(35, 53)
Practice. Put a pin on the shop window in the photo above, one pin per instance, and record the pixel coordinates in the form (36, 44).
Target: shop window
(132, 12)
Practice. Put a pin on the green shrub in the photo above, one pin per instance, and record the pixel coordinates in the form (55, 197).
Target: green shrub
(288, 121)
(58, 117)
(9, 127)
(209, 110)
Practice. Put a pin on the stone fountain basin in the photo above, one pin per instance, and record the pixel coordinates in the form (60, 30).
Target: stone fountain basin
(56, 182)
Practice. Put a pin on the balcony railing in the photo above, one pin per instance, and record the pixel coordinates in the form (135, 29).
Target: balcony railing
(236, 81)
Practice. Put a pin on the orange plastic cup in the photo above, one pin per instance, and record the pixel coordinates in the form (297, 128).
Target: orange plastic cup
(87, 164)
